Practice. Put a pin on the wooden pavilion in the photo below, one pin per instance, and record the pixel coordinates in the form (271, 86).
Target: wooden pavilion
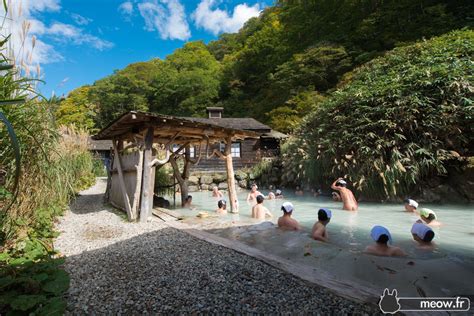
(135, 137)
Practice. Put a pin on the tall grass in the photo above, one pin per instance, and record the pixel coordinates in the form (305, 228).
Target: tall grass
(55, 164)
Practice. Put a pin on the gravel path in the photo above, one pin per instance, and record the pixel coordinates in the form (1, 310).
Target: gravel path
(122, 268)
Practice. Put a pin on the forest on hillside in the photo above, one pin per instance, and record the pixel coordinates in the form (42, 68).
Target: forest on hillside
(276, 68)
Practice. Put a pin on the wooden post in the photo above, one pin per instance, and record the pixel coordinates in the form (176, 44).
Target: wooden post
(138, 186)
(147, 190)
(126, 199)
(230, 175)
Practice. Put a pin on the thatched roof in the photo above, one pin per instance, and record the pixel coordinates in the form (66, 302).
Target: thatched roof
(249, 124)
(166, 127)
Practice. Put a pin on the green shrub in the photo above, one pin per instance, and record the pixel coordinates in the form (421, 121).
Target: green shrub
(54, 165)
(401, 118)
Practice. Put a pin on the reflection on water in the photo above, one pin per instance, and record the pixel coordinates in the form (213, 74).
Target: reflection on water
(349, 234)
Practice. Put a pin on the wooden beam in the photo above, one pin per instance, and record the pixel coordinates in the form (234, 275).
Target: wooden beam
(138, 186)
(126, 199)
(147, 189)
(230, 175)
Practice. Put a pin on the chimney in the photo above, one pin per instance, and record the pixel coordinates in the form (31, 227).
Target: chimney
(214, 112)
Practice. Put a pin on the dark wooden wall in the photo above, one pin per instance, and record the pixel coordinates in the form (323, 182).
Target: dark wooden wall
(251, 153)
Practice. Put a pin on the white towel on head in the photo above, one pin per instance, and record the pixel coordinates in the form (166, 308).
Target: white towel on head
(412, 203)
(420, 230)
(378, 231)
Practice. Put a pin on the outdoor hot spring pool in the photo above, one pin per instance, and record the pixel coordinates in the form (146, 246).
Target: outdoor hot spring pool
(449, 270)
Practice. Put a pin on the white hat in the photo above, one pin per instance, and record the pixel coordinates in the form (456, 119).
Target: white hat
(420, 230)
(378, 231)
(278, 191)
(327, 211)
(287, 207)
(412, 203)
(342, 182)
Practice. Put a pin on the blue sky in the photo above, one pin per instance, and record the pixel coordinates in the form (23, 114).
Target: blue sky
(80, 41)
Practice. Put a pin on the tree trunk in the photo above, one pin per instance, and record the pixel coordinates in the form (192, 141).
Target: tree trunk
(230, 175)
(147, 181)
(183, 182)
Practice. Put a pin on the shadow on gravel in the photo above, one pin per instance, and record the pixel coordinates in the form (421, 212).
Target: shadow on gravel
(171, 271)
(90, 203)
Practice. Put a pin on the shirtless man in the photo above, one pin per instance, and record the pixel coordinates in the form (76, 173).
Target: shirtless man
(411, 205)
(299, 191)
(216, 193)
(271, 195)
(319, 231)
(348, 199)
(259, 211)
(189, 201)
(253, 193)
(286, 222)
(278, 194)
(429, 217)
(423, 234)
(382, 237)
(222, 207)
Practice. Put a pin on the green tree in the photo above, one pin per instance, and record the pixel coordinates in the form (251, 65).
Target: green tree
(77, 109)
(289, 116)
(125, 90)
(187, 81)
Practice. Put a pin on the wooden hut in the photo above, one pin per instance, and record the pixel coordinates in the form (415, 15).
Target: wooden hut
(245, 152)
(133, 136)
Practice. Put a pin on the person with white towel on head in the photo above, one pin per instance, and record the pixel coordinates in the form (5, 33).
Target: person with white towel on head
(382, 238)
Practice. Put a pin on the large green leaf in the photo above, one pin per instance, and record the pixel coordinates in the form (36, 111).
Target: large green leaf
(26, 302)
(58, 284)
(55, 306)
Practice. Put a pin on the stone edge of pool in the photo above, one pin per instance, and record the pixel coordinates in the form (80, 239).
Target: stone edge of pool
(350, 290)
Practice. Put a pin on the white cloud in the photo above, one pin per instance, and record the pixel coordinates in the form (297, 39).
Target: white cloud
(63, 82)
(69, 33)
(32, 41)
(126, 9)
(218, 21)
(167, 17)
(37, 5)
(80, 20)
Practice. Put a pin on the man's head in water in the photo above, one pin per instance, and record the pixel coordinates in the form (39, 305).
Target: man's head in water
(410, 205)
(254, 187)
(427, 215)
(324, 215)
(260, 199)
(287, 208)
(341, 183)
(189, 199)
(222, 204)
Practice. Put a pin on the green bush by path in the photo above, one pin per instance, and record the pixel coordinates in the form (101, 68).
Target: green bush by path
(401, 118)
(31, 280)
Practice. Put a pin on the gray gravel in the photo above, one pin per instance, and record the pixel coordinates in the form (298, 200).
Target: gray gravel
(122, 268)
